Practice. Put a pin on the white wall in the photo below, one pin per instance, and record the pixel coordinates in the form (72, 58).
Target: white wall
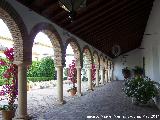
(151, 43)
(134, 58)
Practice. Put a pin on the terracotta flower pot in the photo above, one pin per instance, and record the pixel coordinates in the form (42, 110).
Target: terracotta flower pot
(8, 114)
(73, 92)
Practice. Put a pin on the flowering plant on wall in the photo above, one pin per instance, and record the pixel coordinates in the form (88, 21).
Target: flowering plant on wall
(10, 75)
(72, 75)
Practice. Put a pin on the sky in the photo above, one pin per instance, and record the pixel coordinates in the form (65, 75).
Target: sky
(4, 31)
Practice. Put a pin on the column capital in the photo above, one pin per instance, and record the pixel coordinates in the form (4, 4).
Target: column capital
(78, 67)
(58, 66)
(22, 63)
(102, 68)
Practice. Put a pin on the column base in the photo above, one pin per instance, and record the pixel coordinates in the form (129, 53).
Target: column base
(90, 89)
(60, 102)
(79, 94)
(21, 118)
(97, 85)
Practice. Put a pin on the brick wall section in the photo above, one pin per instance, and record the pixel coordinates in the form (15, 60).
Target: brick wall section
(96, 57)
(76, 49)
(87, 52)
(101, 62)
(55, 38)
(17, 29)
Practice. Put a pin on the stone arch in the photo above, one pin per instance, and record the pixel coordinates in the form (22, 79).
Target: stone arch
(18, 31)
(87, 52)
(76, 49)
(101, 61)
(96, 58)
(53, 35)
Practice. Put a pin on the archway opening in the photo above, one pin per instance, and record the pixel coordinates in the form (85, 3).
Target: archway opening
(41, 75)
(69, 71)
(10, 39)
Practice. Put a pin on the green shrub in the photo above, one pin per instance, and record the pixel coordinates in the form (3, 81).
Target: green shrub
(2, 68)
(46, 68)
(39, 79)
(2, 82)
(64, 78)
(43, 68)
(34, 69)
(142, 89)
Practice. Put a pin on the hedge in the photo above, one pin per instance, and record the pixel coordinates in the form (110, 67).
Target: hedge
(43, 68)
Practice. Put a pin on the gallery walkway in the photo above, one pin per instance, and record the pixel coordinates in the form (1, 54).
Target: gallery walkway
(106, 101)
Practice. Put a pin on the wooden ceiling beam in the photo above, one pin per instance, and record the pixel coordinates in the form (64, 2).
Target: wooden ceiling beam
(107, 20)
(111, 28)
(96, 13)
(118, 8)
(64, 14)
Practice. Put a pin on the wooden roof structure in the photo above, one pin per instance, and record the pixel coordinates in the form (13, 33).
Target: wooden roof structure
(102, 23)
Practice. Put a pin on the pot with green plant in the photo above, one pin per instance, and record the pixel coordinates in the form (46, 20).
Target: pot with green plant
(9, 90)
(138, 71)
(126, 73)
(72, 76)
(140, 89)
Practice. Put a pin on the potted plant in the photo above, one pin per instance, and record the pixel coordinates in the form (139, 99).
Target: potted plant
(126, 73)
(138, 71)
(141, 89)
(9, 90)
(72, 76)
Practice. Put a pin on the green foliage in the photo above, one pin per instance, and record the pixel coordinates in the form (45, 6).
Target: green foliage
(138, 71)
(2, 68)
(2, 82)
(64, 78)
(39, 79)
(47, 67)
(43, 68)
(34, 69)
(142, 89)
(126, 72)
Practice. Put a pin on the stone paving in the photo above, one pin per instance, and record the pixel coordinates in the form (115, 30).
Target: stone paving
(105, 101)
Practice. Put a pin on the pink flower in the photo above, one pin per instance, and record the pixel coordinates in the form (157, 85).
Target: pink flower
(3, 63)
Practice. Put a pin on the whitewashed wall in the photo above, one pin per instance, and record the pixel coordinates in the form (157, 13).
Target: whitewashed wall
(151, 43)
(151, 51)
(134, 58)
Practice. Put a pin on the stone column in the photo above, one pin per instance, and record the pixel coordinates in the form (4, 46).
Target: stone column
(22, 91)
(102, 75)
(97, 77)
(89, 79)
(79, 80)
(60, 84)
(109, 75)
(106, 76)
